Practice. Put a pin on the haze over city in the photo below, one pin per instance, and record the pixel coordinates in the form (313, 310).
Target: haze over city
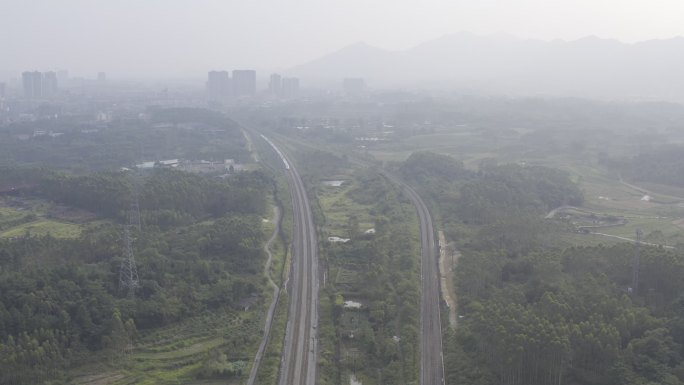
(177, 38)
(341, 192)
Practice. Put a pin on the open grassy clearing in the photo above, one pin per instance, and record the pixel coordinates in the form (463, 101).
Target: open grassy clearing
(181, 349)
(657, 221)
(44, 227)
(20, 217)
(465, 143)
(657, 218)
(15, 212)
(8, 215)
(570, 239)
(605, 193)
(339, 208)
(659, 231)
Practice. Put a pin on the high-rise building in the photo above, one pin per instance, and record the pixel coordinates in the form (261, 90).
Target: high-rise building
(354, 86)
(274, 85)
(218, 85)
(50, 84)
(101, 77)
(290, 87)
(244, 82)
(33, 84)
(3, 90)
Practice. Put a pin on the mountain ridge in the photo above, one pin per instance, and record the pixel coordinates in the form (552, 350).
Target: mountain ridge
(589, 66)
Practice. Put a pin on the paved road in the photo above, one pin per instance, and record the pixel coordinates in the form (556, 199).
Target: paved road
(298, 362)
(431, 361)
(276, 294)
(448, 256)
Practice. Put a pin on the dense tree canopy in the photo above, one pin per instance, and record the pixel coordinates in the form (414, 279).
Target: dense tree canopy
(200, 251)
(566, 317)
(79, 144)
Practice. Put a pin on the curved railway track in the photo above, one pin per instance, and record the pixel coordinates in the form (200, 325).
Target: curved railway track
(298, 362)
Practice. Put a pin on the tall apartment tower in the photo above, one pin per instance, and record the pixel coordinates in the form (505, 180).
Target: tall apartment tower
(33, 84)
(275, 84)
(50, 84)
(290, 87)
(218, 85)
(3, 90)
(244, 83)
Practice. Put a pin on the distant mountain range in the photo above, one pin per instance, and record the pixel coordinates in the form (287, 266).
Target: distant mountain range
(591, 66)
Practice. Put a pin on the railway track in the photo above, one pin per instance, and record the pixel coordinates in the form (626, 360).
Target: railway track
(298, 362)
(431, 357)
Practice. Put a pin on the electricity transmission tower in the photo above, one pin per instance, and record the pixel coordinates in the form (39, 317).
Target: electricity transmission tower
(128, 272)
(636, 262)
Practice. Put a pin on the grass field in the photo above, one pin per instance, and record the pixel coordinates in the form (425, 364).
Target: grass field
(339, 208)
(661, 217)
(8, 215)
(44, 227)
(20, 217)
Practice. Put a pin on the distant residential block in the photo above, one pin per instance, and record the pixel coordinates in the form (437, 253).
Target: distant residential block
(218, 85)
(33, 84)
(275, 84)
(290, 87)
(50, 84)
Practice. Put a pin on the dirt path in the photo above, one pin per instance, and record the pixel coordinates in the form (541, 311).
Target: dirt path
(641, 190)
(250, 146)
(631, 240)
(448, 257)
(276, 293)
(553, 212)
(644, 191)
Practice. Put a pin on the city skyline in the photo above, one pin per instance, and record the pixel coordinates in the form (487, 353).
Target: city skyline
(86, 36)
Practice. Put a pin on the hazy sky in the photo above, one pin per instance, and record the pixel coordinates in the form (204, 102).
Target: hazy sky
(186, 37)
